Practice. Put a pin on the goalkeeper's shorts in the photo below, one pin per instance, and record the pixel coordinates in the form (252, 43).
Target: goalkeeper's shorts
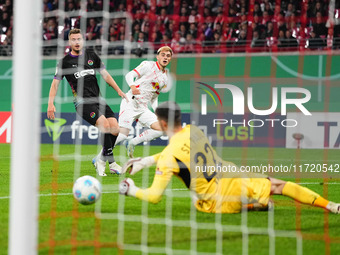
(231, 193)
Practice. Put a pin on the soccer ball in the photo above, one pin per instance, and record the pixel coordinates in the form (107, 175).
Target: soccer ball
(87, 190)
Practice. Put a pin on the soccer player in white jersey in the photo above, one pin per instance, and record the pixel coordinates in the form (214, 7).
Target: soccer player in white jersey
(146, 81)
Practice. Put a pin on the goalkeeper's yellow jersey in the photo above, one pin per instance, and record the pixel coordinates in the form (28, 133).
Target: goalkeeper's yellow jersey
(191, 158)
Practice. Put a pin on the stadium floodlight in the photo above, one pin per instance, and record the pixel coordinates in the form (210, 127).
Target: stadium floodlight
(23, 230)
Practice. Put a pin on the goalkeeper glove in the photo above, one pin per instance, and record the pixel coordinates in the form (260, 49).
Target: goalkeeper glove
(127, 187)
(134, 165)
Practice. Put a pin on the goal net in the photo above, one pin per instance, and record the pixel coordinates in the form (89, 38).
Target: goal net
(253, 108)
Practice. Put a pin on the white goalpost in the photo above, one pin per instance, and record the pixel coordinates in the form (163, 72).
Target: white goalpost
(163, 222)
(25, 150)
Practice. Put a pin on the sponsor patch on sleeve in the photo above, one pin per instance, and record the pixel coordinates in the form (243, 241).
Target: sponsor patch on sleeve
(159, 172)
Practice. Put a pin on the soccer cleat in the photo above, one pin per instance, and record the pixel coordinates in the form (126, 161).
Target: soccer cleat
(130, 149)
(115, 168)
(99, 165)
(333, 207)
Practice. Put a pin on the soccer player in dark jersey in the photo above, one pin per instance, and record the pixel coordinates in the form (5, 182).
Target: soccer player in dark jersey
(79, 67)
(189, 155)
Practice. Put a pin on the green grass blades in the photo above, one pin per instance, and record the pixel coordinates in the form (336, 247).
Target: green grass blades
(124, 225)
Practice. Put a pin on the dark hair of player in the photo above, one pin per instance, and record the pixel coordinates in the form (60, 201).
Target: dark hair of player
(170, 112)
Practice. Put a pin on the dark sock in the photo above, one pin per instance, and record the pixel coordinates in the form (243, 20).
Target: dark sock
(107, 154)
(113, 139)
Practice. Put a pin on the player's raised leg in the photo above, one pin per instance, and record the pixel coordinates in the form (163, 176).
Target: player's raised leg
(302, 195)
(148, 119)
(127, 116)
(147, 136)
(121, 137)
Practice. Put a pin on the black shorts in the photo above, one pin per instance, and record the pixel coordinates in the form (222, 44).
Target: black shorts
(92, 111)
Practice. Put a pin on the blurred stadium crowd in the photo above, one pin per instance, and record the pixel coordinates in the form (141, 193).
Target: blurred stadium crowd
(190, 26)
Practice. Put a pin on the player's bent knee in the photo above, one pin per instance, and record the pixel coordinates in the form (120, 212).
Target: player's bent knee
(114, 130)
(104, 126)
(113, 126)
(112, 121)
(124, 131)
(277, 188)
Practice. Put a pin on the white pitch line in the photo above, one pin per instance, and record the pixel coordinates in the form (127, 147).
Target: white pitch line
(285, 159)
(318, 183)
(88, 158)
(69, 194)
(116, 191)
(304, 76)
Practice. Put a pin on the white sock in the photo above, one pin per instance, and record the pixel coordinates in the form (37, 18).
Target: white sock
(146, 136)
(121, 137)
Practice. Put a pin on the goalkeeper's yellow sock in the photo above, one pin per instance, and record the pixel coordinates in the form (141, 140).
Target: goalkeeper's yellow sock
(304, 195)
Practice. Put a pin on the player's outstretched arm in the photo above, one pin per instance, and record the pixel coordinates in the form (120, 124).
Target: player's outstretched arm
(109, 80)
(53, 92)
(154, 194)
(134, 165)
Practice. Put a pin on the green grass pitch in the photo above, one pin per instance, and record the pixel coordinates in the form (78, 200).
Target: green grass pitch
(66, 227)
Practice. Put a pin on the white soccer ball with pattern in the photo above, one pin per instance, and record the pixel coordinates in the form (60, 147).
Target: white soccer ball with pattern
(87, 190)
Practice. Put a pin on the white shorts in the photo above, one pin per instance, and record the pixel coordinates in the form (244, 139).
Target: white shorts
(129, 113)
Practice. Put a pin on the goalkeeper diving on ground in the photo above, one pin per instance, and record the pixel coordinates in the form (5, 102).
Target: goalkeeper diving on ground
(213, 192)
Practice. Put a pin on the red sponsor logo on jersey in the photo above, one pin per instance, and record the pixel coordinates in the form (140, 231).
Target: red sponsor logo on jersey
(155, 85)
(5, 127)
